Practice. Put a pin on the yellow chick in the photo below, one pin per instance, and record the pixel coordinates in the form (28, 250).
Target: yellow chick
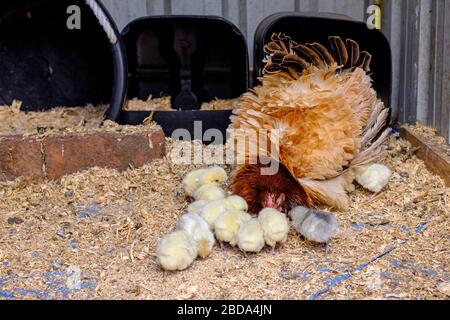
(235, 202)
(197, 206)
(250, 237)
(209, 192)
(275, 226)
(373, 177)
(213, 210)
(199, 230)
(227, 225)
(176, 251)
(213, 175)
(191, 181)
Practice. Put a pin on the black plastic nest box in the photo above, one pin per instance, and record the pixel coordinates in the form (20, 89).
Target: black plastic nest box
(317, 27)
(45, 64)
(194, 59)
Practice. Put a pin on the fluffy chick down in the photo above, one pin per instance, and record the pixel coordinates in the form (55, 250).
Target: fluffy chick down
(227, 225)
(197, 206)
(213, 210)
(250, 237)
(197, 178)
(199, 230)
(373, 177)
(316, 226)
(191, 181)
(209, 192)
(275, 226)
(213, 175)
(236, 202)
(176, 251)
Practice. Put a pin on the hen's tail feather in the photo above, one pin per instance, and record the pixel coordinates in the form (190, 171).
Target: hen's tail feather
(339, 49)
(373, 128)
(331, 192)
(365, 61)
(310, 53)
(323, 52)
(285, 54)
(373, 152)
(354, 53)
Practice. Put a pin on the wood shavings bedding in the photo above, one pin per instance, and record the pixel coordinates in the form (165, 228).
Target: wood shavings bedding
(163, 104)
(429, 133)
(81, 120)
(86, 119)
(107, 224)
(152, 104)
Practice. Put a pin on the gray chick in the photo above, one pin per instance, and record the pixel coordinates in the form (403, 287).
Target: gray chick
(316, 226)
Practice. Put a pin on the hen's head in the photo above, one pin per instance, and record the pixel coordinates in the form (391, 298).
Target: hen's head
(280, 191)
(273, 199)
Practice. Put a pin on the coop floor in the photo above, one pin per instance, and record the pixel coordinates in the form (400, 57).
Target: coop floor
(104, 226)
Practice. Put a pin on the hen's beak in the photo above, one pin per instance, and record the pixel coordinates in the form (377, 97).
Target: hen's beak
(276, 204)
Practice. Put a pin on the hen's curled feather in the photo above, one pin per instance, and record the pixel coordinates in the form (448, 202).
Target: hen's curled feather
(318, 115)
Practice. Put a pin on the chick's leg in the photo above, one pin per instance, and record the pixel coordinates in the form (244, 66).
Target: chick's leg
(327, 247)
(373, 197)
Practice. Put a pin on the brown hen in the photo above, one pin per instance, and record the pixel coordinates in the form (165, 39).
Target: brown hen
(319, 117)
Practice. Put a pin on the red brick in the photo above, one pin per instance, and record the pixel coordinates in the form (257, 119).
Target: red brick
(20, 157)
(71, 153)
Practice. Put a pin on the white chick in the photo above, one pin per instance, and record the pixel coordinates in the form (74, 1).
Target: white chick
(275, 226)
(197, 206)
(176, 251)
(316, 226)
(235, 202)
(209, 192)
(191, 181)
(212, 211)
(199, 230)
(250, 237)
(213, 175)
(195, 179)
(227, 225)
(373, 177)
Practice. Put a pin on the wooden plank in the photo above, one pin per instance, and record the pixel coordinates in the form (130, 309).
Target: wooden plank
(271, 6)
(156, 7)
(242, 13)
(260, 9)
(353, 8)
(188, 7)
(436, 52)
(439, 97)
(327, 5)
(255, 14)
(392, 27)
(119, 10)
(409, 69)
(308, 5)
(444, 127)
(137, 9)
(423, 63)
(230, 11)
(436, 157)
(212, 7)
